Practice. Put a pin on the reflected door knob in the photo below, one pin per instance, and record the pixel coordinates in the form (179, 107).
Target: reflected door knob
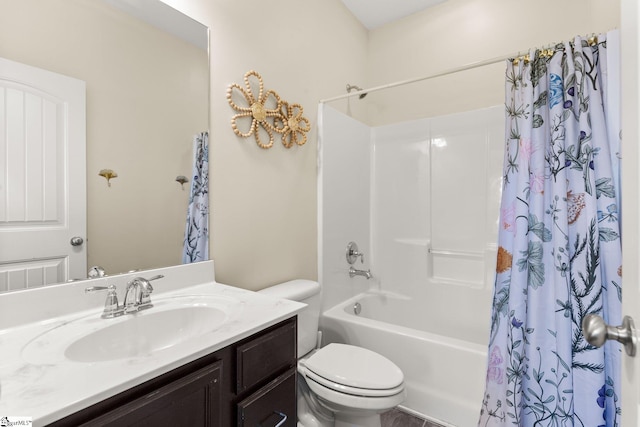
(596, 332)
(77, 241)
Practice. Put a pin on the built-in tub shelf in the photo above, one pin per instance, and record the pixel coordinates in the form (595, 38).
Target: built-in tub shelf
(468, 268)
(413, 241)
(457, 254)
(426, 243)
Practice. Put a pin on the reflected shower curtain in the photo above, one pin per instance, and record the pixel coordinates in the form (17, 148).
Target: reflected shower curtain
(559, 255)
(196, 236)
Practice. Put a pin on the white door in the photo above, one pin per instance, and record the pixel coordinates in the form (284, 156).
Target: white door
(42, 181)
(630, 44)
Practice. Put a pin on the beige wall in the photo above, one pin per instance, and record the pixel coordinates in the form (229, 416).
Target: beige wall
(263, 202)
(461, 32)
(146, 98)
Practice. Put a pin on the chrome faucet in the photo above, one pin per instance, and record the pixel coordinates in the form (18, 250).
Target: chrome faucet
(363, 273)
(96, 271)
(137, 297)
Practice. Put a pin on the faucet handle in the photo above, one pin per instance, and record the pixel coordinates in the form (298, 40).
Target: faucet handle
(96, 271)
(146, 289)
(111, 306)
(110, 288)
(353, 253)
(145, 286)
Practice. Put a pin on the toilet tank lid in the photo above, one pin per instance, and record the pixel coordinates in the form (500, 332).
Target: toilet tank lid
(296, 290)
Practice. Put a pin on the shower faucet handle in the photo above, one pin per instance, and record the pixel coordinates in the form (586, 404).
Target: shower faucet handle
(353, 253)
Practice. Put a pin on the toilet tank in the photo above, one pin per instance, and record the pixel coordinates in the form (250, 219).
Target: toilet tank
(307, 292)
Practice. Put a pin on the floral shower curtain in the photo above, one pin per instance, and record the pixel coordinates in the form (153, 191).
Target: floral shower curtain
(559, 255)
(196, 236)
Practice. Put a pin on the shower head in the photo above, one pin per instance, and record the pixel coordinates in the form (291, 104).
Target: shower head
(356, 88)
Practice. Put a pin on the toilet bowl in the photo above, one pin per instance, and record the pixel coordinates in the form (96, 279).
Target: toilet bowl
(339, 384)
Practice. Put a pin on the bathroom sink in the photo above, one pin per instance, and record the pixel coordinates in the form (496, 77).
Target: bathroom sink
(144, 334)
(91, 339)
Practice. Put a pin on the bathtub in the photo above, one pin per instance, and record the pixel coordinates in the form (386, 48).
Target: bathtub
(444, 364)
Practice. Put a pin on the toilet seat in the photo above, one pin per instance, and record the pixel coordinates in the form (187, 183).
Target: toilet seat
(354, 370)
(339, 402)
(355, 391)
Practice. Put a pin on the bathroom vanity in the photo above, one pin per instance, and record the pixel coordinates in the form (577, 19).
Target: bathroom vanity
(249, 383)
(205, 354)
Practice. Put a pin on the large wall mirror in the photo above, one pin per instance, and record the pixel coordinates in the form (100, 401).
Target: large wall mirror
(146, 69)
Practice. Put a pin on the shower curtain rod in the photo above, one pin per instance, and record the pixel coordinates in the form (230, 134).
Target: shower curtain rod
(466, 67)
(592, 39)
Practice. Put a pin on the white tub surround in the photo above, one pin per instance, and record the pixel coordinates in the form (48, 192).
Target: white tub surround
(49, 386)
(421, 198)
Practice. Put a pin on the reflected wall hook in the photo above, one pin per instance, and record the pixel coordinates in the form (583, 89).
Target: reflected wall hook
(182, 180)
(108, 174)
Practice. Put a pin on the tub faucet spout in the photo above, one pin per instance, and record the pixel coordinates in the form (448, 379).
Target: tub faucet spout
(363, 273)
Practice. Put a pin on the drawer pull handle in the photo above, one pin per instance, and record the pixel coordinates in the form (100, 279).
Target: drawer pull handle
(284, 418)
(268, 421)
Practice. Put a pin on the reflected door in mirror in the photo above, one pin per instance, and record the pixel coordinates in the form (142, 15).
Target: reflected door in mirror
(42, 188)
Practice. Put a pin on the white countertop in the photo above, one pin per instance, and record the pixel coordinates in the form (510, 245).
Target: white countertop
(53, 387)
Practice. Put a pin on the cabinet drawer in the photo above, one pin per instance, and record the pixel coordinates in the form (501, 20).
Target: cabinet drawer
(274, 405)
(265, 356)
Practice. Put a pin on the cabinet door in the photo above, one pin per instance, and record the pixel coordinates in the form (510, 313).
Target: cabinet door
(274, 405)
(192, 401)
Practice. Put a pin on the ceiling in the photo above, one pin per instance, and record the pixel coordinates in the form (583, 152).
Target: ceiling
(375, 13)
(166, 18)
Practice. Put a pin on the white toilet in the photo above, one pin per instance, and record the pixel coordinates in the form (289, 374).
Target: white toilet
(339, 385)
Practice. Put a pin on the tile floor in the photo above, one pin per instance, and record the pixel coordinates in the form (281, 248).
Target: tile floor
(398, 418)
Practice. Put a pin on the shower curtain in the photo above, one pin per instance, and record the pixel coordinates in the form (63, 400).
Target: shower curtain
(196, 236)
(559, 255)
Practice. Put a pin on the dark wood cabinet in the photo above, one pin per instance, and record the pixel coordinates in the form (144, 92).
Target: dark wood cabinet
(250, 383)
(257, 359)
(190, 401)
(271, 406)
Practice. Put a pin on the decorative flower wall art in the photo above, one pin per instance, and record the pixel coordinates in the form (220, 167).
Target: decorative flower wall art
(296, 126)
(263, 113)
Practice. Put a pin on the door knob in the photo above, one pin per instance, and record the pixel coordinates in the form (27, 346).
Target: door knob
(77, 241)
(596, 332)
